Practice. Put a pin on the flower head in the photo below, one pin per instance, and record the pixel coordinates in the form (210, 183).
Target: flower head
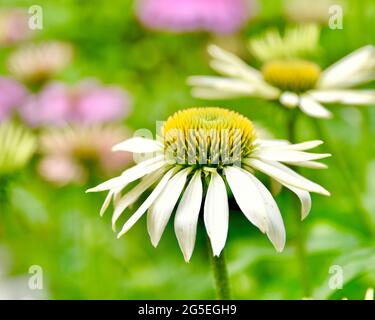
(13, 26)
(218, 16)
(36, 63)
(288, 76)
(17, 146)
(68, 153)
(87, 102)
(12, 95)
(202, 149)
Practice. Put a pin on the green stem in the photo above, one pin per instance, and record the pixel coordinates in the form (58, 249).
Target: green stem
(348, 178)
(300, 241)
(220, 273)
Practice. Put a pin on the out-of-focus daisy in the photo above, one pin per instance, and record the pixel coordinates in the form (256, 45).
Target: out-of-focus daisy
(17, 146)
(309, 11)
(86, 102)
(217, 16)
(12, 94)
(205, 147)
(13, 26)
(287, 77)
(36, 63)
(70, 153)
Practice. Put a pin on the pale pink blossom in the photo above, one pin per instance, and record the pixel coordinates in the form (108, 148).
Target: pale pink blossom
(217, 16)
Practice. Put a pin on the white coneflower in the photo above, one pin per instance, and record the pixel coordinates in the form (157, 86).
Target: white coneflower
(209, 147)
(287, 77)
(38, 62)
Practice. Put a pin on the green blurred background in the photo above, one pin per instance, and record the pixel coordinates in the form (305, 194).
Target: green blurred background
(60, 229)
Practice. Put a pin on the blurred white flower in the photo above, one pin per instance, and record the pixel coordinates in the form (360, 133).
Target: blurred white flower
(286, 77)
(209, 145)
(309, 11)
(36, 63)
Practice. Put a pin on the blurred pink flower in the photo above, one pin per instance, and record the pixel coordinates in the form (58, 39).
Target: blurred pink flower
(217, 16)
(70, 153)
(12, 94)
(13, 26)
(86, 102)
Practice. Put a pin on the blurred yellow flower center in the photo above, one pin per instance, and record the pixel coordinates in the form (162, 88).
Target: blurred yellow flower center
(291, 75)
(208, 136)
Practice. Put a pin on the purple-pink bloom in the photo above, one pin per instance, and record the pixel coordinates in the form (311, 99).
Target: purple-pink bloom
(217, 16)
(87, 102)
(12, 95)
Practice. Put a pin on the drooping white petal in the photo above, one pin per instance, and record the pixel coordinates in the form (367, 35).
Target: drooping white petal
(285, 175)
(138, 145)
(356, 97)
(216, 213)
(133, 195)
(313, 108)
(138, 171)
(359, 62)
(161, 210)
(247, 197)
(257, 204)
(289, 99)
(282, 155)
(147, 203)
(305, 199)
(187, 214)
(275, 228)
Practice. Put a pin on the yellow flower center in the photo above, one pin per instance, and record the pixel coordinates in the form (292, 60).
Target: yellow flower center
(291, 75)
(208, 136)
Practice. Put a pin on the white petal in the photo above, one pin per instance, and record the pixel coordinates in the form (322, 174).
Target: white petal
(161, 210)
(133, 195)
(304, 197)
(220, 83)
(106, 202)
(285, 175)
(275, 227)
(358, 62)
(356, 97)
(258, 205)
(138, 145)
(308, 164)
(216, 213)
(187, 214)
(138, 171)
(289, 99)
(369, 294)
(229, 64)
(247, 197)
(148, 202)
(213, 94)
(271, 142)
(286, 145)
(282, 155)
(313, 108)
